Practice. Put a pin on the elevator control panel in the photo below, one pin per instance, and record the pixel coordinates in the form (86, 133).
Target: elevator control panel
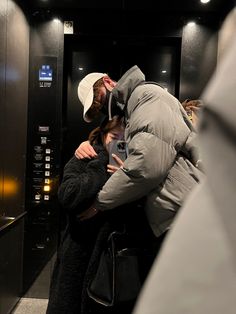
(43, 165)
(42, 168)
(44, 118)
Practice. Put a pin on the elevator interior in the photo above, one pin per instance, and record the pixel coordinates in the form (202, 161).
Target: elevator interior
(40, 118)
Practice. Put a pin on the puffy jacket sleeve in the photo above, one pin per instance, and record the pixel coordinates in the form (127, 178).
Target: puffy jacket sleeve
(82, 180)
(148, 163)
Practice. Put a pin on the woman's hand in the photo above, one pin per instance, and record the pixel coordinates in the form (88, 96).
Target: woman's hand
(112, 168)
(85, 150)
(192, 105)
(88, 213)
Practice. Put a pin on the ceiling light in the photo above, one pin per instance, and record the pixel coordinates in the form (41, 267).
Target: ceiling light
(205, 1)
(191, 24)
(163, 71)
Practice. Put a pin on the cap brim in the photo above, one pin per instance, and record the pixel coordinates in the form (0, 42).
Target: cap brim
(88, 104)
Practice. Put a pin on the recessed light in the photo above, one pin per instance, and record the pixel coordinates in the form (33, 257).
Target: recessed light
(205, 1)
(163, 71)
(191, 24)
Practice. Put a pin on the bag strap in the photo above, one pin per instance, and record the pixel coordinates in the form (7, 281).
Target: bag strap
(111, 239)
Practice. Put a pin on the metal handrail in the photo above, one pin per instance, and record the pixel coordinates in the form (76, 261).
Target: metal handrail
(10, 220)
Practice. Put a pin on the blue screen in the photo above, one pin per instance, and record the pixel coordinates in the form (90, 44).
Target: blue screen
(45, 73)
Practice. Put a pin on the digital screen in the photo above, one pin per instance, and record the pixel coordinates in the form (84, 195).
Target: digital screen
(45, 73)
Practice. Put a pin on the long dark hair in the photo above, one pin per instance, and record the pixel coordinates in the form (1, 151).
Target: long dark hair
(96, 136)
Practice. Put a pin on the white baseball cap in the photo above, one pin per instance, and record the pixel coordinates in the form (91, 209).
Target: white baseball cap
(85, 91)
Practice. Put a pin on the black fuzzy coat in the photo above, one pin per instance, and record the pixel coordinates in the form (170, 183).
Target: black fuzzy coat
(82, 242)
(82, 179)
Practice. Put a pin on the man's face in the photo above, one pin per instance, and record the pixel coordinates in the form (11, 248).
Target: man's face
(99, 95)
(102, 90)
(101, 99)
(102, 95)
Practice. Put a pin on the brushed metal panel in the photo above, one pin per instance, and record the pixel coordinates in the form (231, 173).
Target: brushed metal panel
(3, 25)
(199, 53)
(15, 118)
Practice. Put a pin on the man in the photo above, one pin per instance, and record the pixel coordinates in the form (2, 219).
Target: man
(197, 265)
(161, 163)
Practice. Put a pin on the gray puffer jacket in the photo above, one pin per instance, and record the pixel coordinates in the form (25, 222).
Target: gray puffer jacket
(162, 155)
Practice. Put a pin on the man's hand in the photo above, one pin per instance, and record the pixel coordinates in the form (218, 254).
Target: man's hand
(88, 213)
(85, 150)
(112, 168)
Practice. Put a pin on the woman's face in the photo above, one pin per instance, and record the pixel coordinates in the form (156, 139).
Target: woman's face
(115, 134)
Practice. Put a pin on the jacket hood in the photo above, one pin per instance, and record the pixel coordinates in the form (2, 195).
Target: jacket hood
(128, 82)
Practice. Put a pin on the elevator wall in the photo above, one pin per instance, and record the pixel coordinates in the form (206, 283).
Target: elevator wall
(135, 39)
(14, 54)
(198, 59)
(158, 58)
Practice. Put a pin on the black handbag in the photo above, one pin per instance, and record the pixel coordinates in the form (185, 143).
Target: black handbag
(120, 274)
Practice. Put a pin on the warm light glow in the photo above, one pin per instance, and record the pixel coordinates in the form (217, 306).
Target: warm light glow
(9, 187)
(46, 188)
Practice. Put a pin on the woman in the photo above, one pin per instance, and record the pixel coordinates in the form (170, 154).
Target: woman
(82, 179)
(193, 108)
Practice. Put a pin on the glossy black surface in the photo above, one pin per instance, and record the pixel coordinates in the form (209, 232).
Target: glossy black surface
(188, 6)
(11, 246)
(14, 55)
(5, 222)
(41, 224)
(114, 57)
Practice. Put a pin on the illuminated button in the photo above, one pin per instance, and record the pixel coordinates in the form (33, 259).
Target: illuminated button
(43, 140)
(47, 166)
(46, 188)
(47, 173)
(37, 197)
(47, 158)
(46, 197)
(48, 151)
(47, 181)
